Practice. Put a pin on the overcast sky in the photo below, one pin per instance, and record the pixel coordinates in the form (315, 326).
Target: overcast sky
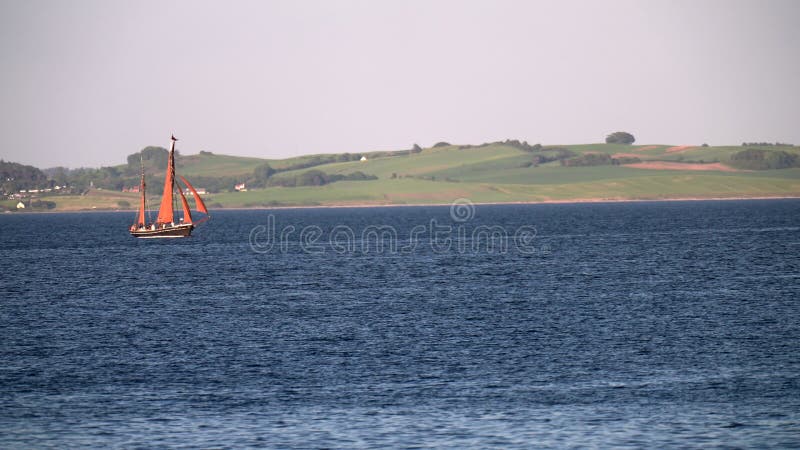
(85, 83)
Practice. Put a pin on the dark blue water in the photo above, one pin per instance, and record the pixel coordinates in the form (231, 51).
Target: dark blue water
(672, 324)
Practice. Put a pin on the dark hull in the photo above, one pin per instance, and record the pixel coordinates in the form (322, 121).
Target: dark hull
(170, 232)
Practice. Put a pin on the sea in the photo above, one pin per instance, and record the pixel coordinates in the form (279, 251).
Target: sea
(609, 325)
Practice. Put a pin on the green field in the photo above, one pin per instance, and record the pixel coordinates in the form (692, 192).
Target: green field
(216, 165)
(489, 173)
(411, 191)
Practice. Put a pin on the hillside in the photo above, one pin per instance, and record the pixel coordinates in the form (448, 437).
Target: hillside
(502, 172)
(498, 172)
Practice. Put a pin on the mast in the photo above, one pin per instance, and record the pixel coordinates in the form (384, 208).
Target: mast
(165, 212)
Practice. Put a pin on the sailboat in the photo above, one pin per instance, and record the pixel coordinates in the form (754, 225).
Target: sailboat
(165, 225)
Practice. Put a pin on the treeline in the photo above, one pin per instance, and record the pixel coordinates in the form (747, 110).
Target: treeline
(81, 179)
(265, 175)
(317, 178)
(320, 160)
(151, 157)
(109, 178)
(41, 204)
(115, 178)
(597, 159)
(765, 144)
(759, 159)
(566, 157)
(15, 176)
(523, 146)
(154, 160)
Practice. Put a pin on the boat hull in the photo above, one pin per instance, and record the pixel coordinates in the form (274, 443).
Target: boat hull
(177, 231)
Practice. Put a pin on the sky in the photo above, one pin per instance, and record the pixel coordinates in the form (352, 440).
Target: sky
(86, 83)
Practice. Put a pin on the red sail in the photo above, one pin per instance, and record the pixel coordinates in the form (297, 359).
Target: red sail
(140, 221)
(165, 213)
(187, 215)
(200, 205)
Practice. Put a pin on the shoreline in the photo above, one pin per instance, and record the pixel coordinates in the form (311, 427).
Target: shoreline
(538, 202)
(400, 205)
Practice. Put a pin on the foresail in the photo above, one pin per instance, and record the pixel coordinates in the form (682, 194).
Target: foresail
(140, 220)
(165, 212)
(187, 214)
(200, 205)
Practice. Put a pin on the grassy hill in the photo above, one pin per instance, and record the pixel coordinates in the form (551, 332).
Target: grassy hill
(209, 164)
(498, 172)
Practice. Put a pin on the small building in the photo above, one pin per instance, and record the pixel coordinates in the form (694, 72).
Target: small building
(239, 187)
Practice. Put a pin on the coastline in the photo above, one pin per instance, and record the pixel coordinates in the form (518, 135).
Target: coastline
(399, 205)
(538, 202)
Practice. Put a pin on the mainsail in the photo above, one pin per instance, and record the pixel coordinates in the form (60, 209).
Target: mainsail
(165, 213)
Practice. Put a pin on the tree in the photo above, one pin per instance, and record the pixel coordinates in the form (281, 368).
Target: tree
(620, 137)
(312, 178)
(156, 157)
(15, 176)
(263, 171)
(760, 159)
(588, 159)
(59, 176)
